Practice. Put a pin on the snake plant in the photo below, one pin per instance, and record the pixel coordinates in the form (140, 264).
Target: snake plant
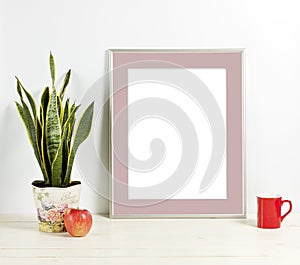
(51, 130)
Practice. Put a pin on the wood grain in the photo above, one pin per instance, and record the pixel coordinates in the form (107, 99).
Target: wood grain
(158, 241)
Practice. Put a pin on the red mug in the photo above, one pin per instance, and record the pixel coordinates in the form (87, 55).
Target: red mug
(269, 210)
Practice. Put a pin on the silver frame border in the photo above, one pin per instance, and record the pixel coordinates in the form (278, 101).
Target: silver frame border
(177, 216)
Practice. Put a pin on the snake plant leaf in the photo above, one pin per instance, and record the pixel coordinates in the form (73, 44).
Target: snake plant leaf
(68, 130)
(45, 157)
(66, 112)
(25, 107)
(31, 130)
(66, 152)
(19, 89)
(53, 129)
(59, 108)
(56, 168)
(44, 103)
(45, 97)
(70, 120)
(71, 125)
(43, 112)
(39, 140)
(29, 124)
(65, 84)
(52, 69)
(39, 134)
(82, 132)
(41, 116)
(28, 95)
(60, 162)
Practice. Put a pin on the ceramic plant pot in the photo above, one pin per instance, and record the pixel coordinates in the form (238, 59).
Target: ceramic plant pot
(51, 204)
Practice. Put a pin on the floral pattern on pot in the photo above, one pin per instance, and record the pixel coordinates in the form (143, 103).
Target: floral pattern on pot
(51, 204)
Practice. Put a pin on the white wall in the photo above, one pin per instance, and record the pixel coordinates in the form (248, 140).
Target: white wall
(79, 32)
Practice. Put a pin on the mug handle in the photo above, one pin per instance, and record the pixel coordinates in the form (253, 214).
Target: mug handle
(290, 209)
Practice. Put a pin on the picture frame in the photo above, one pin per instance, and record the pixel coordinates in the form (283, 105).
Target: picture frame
(177, 133)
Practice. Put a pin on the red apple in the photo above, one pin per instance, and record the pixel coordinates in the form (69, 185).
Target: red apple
(78, 222)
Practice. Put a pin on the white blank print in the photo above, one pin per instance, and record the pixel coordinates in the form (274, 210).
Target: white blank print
(141, 134)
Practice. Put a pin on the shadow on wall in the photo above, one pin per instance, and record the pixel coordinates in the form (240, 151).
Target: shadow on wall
(18, 166)
(15, 146)
(92, 158)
